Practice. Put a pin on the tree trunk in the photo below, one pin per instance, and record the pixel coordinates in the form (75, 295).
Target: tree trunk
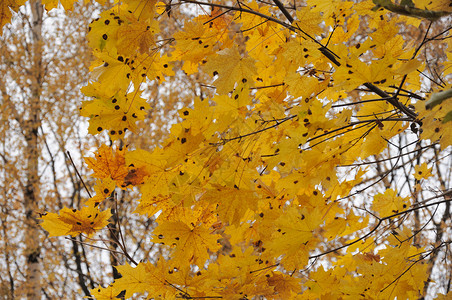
(31, 127)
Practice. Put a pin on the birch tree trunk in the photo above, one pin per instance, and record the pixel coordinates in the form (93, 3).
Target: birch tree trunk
(31, 129)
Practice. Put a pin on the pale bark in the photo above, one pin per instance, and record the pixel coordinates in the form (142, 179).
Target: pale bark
(30, 129)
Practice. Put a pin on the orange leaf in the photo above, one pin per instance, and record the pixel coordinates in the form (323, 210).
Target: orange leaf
(108, 163)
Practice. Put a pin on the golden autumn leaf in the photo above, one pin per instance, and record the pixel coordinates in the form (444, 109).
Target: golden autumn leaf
(320, 279)
(231, 68)
(155, 66)
(434, 5)
(422, 171)
(103, 189)
(135, 280)
(308, 21)
(441, 296)
(88, 221)
(114, 69)
(192, 241)
(433, 128)
(145, 277)
(6, 6)
(197, 41)
(231, 202)
(142, 9)
(354, 72)
(112, 110)
(294, 236)
(104, 293)
(108, 163)
(148, 162)
(286, 286)
(194, 43)
(103, 31)
(388, 203)
(181, 143)
(137, 37)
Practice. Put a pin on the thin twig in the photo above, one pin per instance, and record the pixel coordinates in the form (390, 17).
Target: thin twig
(68, 154)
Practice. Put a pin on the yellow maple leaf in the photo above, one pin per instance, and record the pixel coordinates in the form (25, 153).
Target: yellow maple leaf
(154, 66)
(288, 149)
(422, 171)
(263, 38)
(111, 69)
(441, 296)
(192, 241)
(103, 188)
(235, 276)
(304, 86)
(389, 203)
(142, 9)
(194, 43)
(346, 31)
(156, 180)
(6, 6)
(101, 293)
(144, 278)
(433, 5)
(309, 21)
(234, 108)
(201, 37)
(181, 143)
(199, 118)
(88, 220)
(396, 260)
(151, 162)
(355, 223)
(112, 110)
(152, 204)
(376, 137)
(231, 67)
(335, 227)
(294, 236)
(103, 31)
(233, 203)
(137, 37)
(354, 72)
(284, 284)
(320, 279)
(433, 127)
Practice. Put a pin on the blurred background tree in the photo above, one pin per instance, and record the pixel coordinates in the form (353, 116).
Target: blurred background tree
(44, 62)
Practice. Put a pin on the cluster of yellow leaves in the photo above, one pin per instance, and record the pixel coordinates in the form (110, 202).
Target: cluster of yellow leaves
(373, 271)
(246, 189)
(196, 40)
(123, 41)
(203, 165)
